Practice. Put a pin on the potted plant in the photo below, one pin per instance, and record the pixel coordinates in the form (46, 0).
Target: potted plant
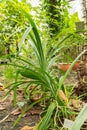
(65, 66)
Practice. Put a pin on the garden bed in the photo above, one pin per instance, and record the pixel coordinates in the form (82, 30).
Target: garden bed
(31, 118)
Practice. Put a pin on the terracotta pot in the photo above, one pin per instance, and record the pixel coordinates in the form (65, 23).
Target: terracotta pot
(76, 65)
(65, 66)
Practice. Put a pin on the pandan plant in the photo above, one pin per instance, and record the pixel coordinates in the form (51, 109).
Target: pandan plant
(40, 72)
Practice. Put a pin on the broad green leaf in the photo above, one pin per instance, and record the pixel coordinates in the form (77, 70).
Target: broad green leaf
(80, 119)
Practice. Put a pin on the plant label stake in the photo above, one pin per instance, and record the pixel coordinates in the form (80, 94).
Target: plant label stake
(68, 124)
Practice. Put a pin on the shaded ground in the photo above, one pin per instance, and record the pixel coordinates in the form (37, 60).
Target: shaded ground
(31, 118)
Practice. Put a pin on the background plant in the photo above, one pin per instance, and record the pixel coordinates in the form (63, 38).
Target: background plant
(13, 24)
(56, 15)
(36, 69)
(58, 21)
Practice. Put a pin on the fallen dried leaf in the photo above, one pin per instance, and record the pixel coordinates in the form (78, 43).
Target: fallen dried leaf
(2, 108)
(35, 111)
(77, 104)
(63, 96)
(20, 91)
(27, 128)
(16, 112)
(33, 99)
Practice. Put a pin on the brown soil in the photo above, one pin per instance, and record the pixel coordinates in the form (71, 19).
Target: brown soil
(31, 118)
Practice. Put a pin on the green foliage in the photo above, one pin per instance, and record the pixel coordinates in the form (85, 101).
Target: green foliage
(9, 72)
(56, 15)
(13, 24)
(40, 71)
(44, 123)
(60, 28)
(80, 119)
(73, 19)
(71, 24)
(2, 50)
(37, 68)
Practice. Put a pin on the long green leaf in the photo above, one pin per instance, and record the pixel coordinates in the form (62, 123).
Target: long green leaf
(62, 79)
(80, 119)
(24, 36)
(46, 119)
(38, 40)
